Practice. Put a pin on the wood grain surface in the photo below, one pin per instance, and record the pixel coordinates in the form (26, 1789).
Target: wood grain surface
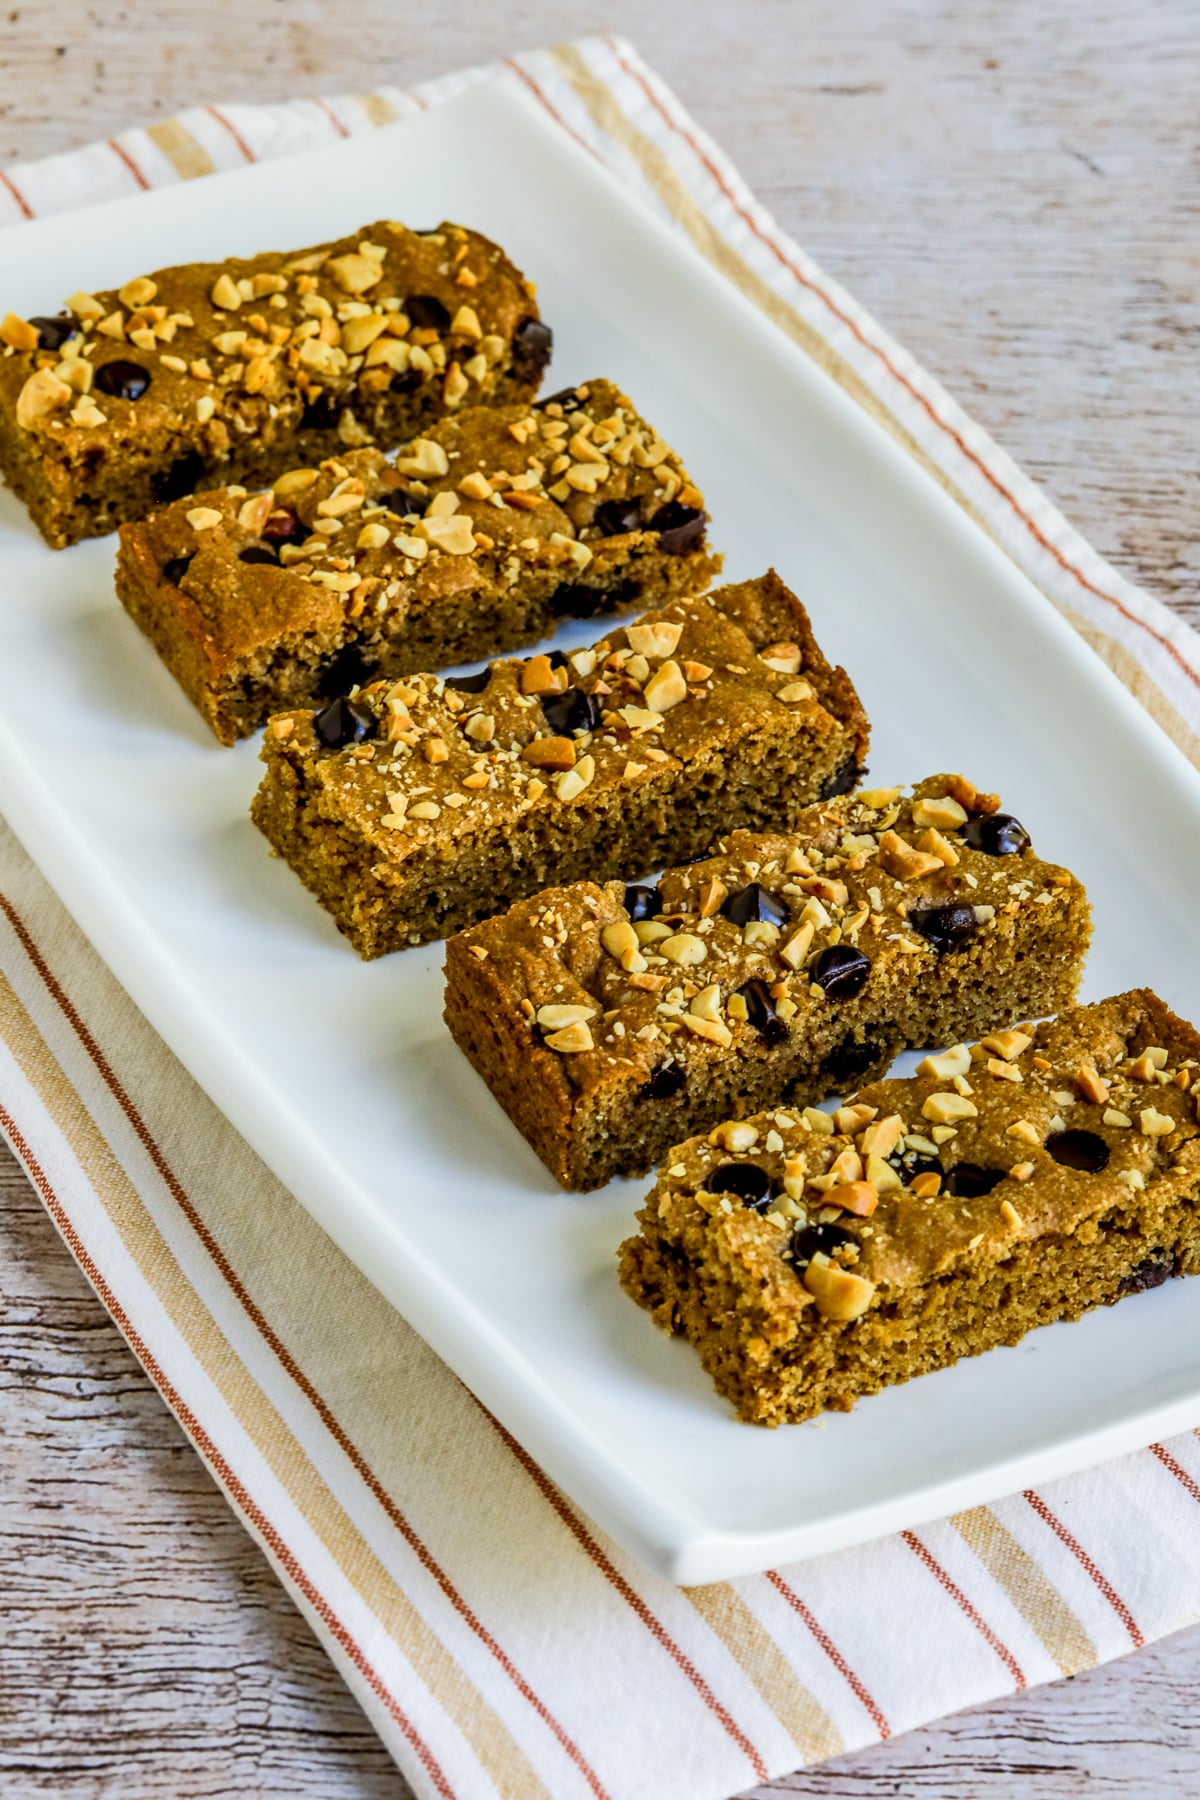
(1013, 187)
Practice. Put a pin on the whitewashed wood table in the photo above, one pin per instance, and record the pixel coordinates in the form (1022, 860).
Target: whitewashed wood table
(1013, 187)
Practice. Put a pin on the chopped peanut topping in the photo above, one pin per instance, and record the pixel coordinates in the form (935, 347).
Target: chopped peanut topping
(838, 1294)
(715, 1030)
(881, 1175)
(294, 482)
(42, 395)
(355, 273)
(1090, 1085)
(539, 677)
(424, 456)
(551, 753)
(942, 815)
(857, 1197)
(225, 295)
(660, 638)
(665, 688)
(881, 1138)
(683, 947)
(1008, 1044)
(932, 843)
(798, 946)
(949, 1064)
(707, 1003)
(572, 1038)
(711, 897)
(621, 940)
(553, 1018)
(902, 861)
(570, 785)
(17, 333)
(945, 1109)
(736, 1136)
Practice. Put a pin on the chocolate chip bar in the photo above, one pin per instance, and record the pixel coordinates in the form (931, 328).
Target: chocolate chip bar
(612, 1022)
(813, 1259)
(211, 373)
(478, 537)
(412, 810)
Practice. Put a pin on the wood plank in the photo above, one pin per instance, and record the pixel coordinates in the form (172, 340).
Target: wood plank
(148, 1651)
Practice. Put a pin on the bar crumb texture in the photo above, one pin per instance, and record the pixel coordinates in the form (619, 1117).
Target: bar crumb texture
(612, 1022)
(206, 374)
(812, 1260)
(483, 535)
(415, 809)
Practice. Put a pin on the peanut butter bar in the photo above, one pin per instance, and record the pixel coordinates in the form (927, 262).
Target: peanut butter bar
(482, 535)
(211, 373)
(814, 1259)
(612, 1022)
(414, 809)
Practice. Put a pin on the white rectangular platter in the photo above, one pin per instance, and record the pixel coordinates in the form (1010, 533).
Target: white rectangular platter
(342, 1075)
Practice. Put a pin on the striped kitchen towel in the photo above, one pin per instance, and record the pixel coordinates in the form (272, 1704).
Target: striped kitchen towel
(500, 1644)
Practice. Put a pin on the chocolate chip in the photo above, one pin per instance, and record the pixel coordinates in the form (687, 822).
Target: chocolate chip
(1150, 1273)
(570, 397)
(571, 712)
(53, 333)
(258, 553)
(760, 1010)
(344, 722)
(1085, 1150)
(182, 477)
(558, 659)
(851, 1059)
(406, 381)
(283, 527)
(642, 902)
(344, 669)
(946, 927)
(842, 971)
(680, 528)
(403, 504)
(531, 346)
(748, 1181)
(175, 568)
(576, 600)
(470, 684)
(908, 1164)
(970, 1181)
(666, 1080)
(426, 312)
(121, 379)
(843, 780)
(808, 1239)
(615, 517)
(996, 834)
(754, 902)
(321, 412)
